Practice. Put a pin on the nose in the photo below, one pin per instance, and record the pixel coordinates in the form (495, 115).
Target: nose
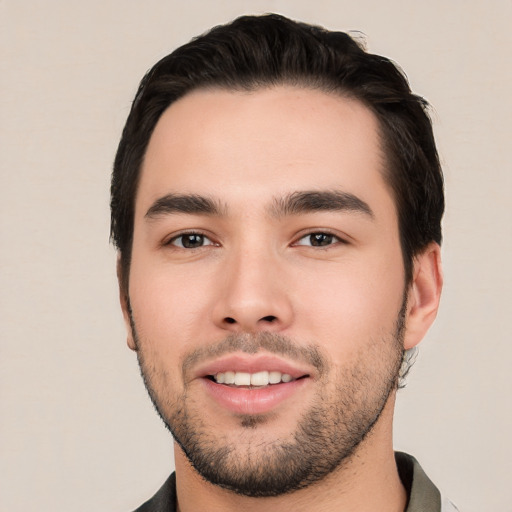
(253, 295)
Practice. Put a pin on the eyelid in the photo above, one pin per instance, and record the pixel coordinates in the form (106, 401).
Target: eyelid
(339, 239)
(168, 241)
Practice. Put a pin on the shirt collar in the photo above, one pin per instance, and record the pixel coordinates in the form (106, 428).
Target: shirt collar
(423, 494)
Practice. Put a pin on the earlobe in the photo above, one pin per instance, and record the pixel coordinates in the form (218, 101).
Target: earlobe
(125, 305)
(424, 294)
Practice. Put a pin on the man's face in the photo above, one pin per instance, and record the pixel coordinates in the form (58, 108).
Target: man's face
(266, 247)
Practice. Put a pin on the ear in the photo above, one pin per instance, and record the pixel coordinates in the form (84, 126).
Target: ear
(423, 295)
(125, 307)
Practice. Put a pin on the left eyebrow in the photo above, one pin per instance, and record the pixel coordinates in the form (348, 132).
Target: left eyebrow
(317, 201)
(191, 204)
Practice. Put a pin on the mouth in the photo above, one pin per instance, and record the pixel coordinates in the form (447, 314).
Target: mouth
(257, 380)
(248, 384)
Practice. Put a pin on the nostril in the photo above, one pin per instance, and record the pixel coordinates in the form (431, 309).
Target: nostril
(267, 319)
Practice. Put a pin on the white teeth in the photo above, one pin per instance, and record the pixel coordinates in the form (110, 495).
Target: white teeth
(229, 377)
(259, 379)
(274, 377)
(242, 379)
(263, 378)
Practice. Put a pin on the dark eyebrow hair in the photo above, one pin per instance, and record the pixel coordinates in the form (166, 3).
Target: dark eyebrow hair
(316, 201)
(184, 203)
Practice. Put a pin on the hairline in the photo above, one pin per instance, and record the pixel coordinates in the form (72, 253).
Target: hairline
(311, 83)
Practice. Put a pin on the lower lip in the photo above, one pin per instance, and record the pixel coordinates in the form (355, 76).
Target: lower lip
(252, 400)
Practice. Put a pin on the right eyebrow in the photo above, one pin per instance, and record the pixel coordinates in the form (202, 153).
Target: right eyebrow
(191, 204)
(319, 200)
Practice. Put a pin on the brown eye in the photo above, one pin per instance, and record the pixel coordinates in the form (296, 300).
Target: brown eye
(191, 241)
(318, 240)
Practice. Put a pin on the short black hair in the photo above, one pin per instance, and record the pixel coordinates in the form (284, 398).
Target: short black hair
(255, 52)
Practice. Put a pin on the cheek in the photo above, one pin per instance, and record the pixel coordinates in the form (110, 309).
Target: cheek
(347, 306)
(167, 303)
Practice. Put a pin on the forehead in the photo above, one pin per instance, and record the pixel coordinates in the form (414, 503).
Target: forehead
(245, 146)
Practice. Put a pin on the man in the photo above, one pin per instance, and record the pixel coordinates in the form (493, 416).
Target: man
(276, 204)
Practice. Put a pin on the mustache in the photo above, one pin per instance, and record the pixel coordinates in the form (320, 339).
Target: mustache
(252, 343)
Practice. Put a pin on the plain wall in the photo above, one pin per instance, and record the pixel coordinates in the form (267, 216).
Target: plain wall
(77, 431)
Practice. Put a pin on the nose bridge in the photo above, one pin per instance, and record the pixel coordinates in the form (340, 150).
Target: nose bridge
(253, 296)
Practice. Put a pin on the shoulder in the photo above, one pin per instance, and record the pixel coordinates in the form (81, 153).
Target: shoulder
(164, 500)
(423, 495)
(447, 505)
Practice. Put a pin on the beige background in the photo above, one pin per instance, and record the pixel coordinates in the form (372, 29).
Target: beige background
(77, 432)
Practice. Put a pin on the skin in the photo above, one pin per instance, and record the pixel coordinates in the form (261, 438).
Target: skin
(258, 272)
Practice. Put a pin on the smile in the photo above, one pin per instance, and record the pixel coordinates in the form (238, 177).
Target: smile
(258, 379)
(254, 383)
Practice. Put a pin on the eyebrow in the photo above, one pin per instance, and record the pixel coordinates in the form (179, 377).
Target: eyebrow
(318, 201)
(293, 204)
(191, 204)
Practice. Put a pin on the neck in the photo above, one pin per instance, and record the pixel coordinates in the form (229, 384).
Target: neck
(367, 482)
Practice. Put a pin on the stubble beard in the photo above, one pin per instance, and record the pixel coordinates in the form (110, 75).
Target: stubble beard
(326, 436)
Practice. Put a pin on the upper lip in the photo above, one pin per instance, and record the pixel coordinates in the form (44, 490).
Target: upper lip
(252, 363)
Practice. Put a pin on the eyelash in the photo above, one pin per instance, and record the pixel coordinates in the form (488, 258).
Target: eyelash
(181, 236)
(332, 240)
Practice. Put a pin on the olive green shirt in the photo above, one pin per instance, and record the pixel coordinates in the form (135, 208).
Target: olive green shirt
(423, 495)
